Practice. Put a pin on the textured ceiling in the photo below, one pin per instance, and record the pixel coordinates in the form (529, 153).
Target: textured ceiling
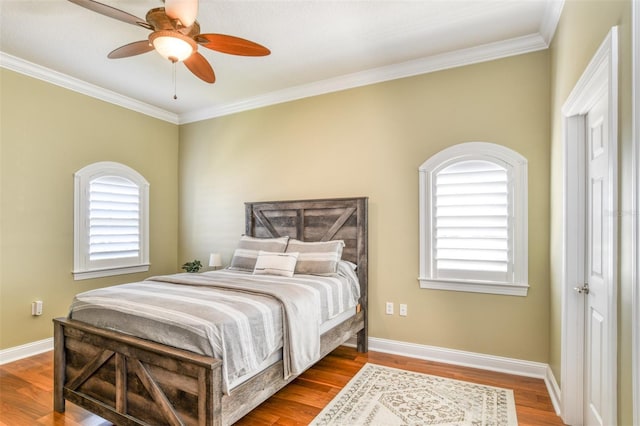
(317, 47)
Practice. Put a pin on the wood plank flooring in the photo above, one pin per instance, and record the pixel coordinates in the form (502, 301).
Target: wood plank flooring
(26, 389)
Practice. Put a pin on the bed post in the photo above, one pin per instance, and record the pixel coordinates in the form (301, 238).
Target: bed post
(363, 271)
(59, 360)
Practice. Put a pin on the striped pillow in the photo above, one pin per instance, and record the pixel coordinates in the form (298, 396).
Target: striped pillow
(245, 255)
(269, 263)
(317, 258)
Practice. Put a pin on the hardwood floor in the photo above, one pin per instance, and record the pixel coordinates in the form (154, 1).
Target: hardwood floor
(26, 388)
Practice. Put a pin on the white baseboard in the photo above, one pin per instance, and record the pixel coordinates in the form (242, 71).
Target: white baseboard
(554, 390)
(470, 359)
(24, 351)
(462, 358)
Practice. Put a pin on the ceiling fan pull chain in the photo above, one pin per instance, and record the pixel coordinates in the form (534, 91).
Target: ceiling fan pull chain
(175, 96)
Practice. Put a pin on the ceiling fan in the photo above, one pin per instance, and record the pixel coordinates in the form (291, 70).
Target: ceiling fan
(176, 36)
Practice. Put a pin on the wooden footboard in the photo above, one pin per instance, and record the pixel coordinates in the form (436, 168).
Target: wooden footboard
(131, 381)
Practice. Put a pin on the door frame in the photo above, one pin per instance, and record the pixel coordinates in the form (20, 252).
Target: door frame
(635, 221)
(600, 76)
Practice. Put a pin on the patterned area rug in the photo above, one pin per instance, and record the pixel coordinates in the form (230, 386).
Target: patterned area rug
(384, 396)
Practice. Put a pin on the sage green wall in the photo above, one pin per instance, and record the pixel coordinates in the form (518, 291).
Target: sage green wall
(370, 141)
(582, 28)
(46, 134)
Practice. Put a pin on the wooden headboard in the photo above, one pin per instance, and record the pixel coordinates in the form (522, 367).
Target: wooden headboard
(316, 220)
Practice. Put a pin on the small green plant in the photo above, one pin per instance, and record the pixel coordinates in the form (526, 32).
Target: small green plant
(192, 266)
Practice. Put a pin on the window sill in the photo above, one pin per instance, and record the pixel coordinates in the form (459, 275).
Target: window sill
(476, 287)
(98, 273)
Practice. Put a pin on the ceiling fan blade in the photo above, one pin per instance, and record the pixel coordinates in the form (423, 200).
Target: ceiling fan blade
(231, 45)
(200, 67)
(184, 11)
(112, 12)
(131, 49)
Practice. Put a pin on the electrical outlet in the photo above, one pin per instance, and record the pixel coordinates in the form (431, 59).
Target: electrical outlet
(389, 309)
(403, 310)
(36, 308)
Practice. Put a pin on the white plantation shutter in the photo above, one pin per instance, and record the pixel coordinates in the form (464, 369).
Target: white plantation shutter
(471, 212)
(111, 221)
(473, 220)
(114, 218)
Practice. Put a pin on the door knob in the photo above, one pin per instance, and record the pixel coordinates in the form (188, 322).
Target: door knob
(584, 289)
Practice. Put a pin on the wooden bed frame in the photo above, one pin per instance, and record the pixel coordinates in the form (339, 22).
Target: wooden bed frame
(132, 381)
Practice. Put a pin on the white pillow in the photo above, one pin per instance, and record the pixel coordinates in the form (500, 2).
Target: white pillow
(270, 263)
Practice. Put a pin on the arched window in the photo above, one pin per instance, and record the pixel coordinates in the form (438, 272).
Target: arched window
(473, 220)
(111, 221)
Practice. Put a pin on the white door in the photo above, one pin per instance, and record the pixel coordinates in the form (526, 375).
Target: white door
(590, 255)
(597, 263)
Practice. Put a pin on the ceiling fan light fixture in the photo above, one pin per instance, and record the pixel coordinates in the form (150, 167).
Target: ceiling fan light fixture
(183, 10)
(172, 45)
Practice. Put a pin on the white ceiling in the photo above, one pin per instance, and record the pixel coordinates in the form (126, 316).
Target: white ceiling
(317, 46)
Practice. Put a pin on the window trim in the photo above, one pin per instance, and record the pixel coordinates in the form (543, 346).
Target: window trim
(517, 169)
(82, 266)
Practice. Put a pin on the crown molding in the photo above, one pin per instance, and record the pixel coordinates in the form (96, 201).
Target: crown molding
(550, 20)
(30, 69)
(469, 56)
(459, 58)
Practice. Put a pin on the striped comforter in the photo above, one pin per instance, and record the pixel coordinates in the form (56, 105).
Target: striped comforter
(235, 316)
